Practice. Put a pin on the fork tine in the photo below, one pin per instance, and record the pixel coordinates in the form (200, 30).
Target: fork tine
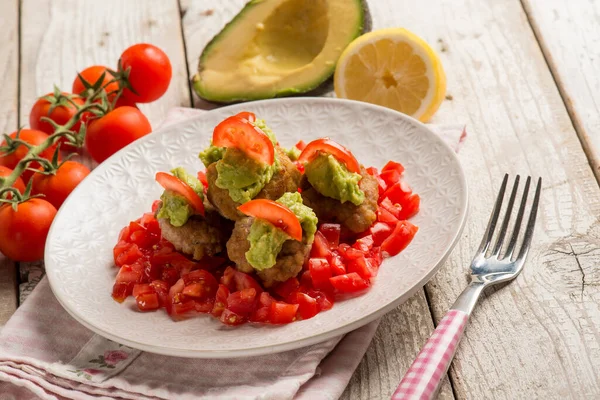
(507, 215)
(487, 237)
(530, 224)
(517, 227)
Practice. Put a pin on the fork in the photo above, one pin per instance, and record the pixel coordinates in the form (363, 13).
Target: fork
(489, 267)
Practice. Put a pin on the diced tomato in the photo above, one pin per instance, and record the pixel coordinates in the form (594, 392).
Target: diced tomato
(211, 263)
(124, 234)
(200, 284)
(174, 184)
(204, 306)
(393, 166)
(243, 302)
(305, 280)
(393, 208)
(129, 274)
(398, 192)
(299, 167)
(182, 309)
(282, 313)
(169, 274)
(362, 267)
(320, 246)
(286, 288)
(348, 252)
(126, 253)
(410, 206)
(320, 272)
(380, 231)
(300, 145)
(141, 288)
(239, 133)
(182, 264)
(155, 205)
(375, 257)
(349, 283)
(177, 288)
(324, 299)
(228, 317)
(364, 244)
(121, 291)
(144, 239)
(332, 234)
(245, 281)
(372, 171)
(328, 146)
(220, 301)
(276, 214)
(162, 290)
(202, 178)
(403, 234)
(381, 186)
(307, 306)
(228, 278)
(383, 215)
(147, 301)
(263, 309)
(338, 267)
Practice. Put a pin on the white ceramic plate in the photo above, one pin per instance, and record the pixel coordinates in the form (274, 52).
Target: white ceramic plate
(79, 260)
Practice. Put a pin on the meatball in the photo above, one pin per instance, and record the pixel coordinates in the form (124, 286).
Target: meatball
(290, 259)
(355, 218)
(286, 179)
(199, 236)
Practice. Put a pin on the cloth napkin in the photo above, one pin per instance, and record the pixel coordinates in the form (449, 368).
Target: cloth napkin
(44, 353)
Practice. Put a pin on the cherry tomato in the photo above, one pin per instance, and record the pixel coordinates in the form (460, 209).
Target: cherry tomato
(57, 187)
(23, 232)
(110, 133)
(123, 101)
(91, 75)
(170, 182)
(33, 137)
(19, 185)
(277, 214)
(325, 145)
(402, 235)
(60, 114)
(150, 73)
(239, 133)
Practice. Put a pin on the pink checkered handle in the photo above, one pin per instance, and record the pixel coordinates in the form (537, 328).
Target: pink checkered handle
(423, 378)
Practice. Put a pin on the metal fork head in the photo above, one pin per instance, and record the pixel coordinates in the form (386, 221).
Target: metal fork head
(492, 265)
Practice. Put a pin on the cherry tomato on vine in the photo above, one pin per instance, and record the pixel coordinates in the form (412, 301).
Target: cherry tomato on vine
(60, 114)
(91, 75)
(34, 138)
(150, 72)
(19, 185)
(23, 232)
(110, 133)
(58, 186)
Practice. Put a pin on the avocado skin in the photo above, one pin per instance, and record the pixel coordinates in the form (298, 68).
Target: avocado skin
(319, 87)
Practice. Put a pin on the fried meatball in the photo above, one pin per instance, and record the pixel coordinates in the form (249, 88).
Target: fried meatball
(355, 218)
(286, 179)
(199, 236)
(290, 259)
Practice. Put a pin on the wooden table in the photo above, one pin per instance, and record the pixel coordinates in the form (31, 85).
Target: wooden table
(523, 75)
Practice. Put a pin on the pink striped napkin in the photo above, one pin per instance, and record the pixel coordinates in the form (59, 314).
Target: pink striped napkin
(46, 354)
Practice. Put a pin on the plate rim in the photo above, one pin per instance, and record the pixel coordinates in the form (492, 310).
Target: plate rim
(298, 343)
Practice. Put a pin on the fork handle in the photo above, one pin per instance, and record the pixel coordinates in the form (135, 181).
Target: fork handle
(423, 378)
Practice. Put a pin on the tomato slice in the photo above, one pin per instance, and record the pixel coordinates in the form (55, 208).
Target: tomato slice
(320, 272)
(247, 115)
(282, 313)
(243, 302)
(274, 213)
(240, 133)
(202, 178)
(402, 235)
(349, 283)
(326, 145)
(170, 182)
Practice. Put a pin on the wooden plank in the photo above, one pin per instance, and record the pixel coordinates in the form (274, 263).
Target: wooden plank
(539, 336)
(9, 82)
(404, 330)
(569, 36)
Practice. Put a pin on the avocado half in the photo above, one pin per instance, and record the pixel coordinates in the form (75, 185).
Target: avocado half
(275, 48)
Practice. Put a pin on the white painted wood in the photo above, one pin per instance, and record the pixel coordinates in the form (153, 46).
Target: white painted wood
(404, 330)
(9, 82)
(568, 34)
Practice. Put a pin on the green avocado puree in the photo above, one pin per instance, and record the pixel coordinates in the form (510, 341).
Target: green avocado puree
(174, 206)
(266, 240)
(332, 179)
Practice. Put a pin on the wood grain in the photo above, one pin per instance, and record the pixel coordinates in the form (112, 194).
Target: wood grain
(403, 331)
(568, 34)
(9, 82)
(539, 336)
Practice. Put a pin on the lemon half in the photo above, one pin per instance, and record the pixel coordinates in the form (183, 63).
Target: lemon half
(393, 68)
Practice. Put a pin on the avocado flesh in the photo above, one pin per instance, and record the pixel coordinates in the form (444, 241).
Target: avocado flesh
(276, 48)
